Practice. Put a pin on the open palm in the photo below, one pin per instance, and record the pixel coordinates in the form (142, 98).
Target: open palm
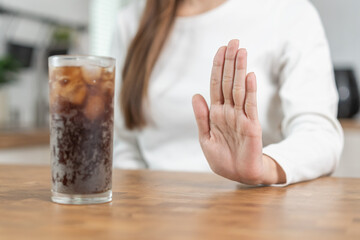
(230, 133)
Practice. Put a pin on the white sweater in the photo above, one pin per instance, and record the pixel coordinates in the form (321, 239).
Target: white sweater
(297, 98)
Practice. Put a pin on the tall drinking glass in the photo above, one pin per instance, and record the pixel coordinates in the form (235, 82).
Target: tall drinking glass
(81, 92)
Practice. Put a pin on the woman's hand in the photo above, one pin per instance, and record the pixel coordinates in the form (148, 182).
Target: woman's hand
(230, 133)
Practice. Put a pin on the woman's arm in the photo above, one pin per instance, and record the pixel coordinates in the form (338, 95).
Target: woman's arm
(313, 137)
(126, 151)
(230, 134)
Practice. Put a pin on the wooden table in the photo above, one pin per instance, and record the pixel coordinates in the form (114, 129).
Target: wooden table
(350, 124)
(24, 138)
(167, 205)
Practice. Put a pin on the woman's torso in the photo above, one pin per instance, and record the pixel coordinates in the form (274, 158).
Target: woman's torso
(183, 69)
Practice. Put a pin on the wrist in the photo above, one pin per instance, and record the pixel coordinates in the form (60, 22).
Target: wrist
(273, 172)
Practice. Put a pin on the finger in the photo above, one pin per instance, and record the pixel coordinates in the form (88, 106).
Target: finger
(216, 96)
(201, 112)
(228, 75)
(250, 99)
(239, 79)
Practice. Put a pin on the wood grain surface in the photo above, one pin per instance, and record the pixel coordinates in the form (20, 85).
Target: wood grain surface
(350, 124)
(25, 138)
(168, 205)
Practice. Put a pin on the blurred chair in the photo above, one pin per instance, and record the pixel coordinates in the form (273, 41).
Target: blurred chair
(348, 93)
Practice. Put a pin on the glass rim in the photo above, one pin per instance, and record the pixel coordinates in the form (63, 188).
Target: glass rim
(53, 59)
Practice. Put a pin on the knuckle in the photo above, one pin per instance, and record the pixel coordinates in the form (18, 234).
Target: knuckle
(251, 91)
(238, 107)
(215, 81)
(217, 62)
(250, 105)
(238, 89)
(227, 78)
(230, 56)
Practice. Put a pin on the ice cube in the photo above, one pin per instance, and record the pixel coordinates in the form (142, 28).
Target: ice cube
(108, 74)
(107, 81)
(94, 107)
(91, 74)
(68, 84)
(107, 88)
(73, 93)
(71, 73)
(77, 95)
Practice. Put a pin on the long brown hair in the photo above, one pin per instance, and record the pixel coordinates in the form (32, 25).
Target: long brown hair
(155, 26)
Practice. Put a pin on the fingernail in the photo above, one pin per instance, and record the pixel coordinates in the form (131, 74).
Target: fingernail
(243, 51)
(234, 41)
(252, 75)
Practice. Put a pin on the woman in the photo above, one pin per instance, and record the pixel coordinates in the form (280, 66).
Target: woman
(289, 135)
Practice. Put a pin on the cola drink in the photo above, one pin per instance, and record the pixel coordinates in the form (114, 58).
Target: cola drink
(81, 93)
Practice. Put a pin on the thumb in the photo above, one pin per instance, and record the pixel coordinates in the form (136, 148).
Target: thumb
(201, 112)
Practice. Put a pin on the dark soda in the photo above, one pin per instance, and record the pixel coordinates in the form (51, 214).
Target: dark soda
(81, 128)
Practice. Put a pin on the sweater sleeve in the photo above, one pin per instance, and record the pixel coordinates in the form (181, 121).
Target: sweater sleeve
(126, 152)
(313, 138)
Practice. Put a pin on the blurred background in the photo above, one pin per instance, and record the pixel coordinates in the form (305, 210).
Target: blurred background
(33, 30)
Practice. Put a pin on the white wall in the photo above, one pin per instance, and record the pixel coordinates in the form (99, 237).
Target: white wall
(341, 19)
